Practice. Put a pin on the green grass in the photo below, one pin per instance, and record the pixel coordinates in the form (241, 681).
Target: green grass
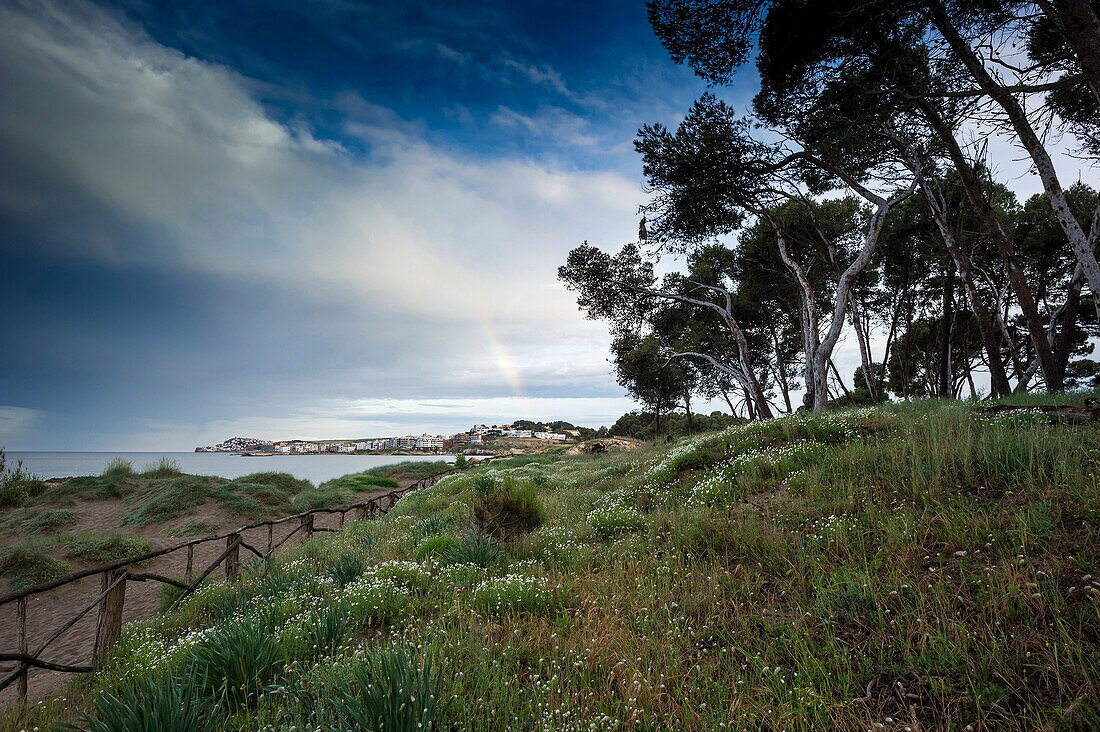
(25, 565)
(49, 520)
(409, 469)
(194, 527)
(103, 547)
(917, 565)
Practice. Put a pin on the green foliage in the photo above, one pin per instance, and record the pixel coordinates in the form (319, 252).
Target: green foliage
(163, 468)
(517, 592)
(346, 568)
(170, 498)
(26, 565)
(512, 509)
(474, 549)
(165, 704)
(435, 546)
(118, 468)
(17, 486)
(389, 692)
(410, 469)
(100, 548)
(237, 661)
(259, 495)
(50, 519)
(194, 527)
(460, 460)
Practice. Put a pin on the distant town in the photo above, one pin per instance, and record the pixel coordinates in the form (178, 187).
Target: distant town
(520, 436)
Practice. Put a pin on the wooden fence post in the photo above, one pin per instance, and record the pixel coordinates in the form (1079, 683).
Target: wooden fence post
(307, 525)
(233, 559)
(109, 628)
(22, 631)
(270, 544)
(341, 519)
(190, 562)
(360, 512)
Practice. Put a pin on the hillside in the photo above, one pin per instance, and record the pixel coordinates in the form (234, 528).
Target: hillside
(912, 567)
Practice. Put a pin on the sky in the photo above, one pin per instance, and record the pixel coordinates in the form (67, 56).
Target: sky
(317, 220)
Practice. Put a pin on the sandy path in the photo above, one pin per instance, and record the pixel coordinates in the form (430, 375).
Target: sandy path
(48, 611)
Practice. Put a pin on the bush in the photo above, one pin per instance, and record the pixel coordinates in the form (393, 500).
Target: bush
(163, 468)
(25, 566)
(16, 485)
(513, 592)
(435, 546)
(118, 468)
(346, 568)
(155, 703)
(388, 692)
(171, 499)
(97, 548)
(510, 510)
(409, 469)
(473, 549)
(317, 633)
(237, 662)
(50, 519)
(194, 527)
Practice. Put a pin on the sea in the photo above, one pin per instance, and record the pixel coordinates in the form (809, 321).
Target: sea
(314, 468)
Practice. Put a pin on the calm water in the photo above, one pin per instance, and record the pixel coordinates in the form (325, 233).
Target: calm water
(316, 468)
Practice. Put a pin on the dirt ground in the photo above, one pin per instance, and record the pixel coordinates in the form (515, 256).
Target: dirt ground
(49, 611)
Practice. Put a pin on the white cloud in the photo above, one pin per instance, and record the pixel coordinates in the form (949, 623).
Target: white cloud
(133, 154)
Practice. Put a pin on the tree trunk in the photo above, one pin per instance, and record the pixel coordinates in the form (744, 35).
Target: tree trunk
(1043, 164)
(997, 377)
(687, 408)
(945, 333)
(839, 380)
(980, 203)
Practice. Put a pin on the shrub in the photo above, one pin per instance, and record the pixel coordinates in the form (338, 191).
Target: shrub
(154, 703)
(16, 485)
(237, 662)
(163, 468)
(50, 519)
(346, 568)
(97, 548)
(118, 468)
(171, 499)
(261, 494)
(374, 598)
(435, 546)
(317, 633)
(431, 526)
(611, 519)
(409, 469)
(510, 510)
(25, 566)
(513, 592)
(194, 527)
(473, 549)
(389, 692)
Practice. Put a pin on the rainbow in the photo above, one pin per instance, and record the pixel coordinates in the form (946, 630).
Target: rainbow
(507, 368)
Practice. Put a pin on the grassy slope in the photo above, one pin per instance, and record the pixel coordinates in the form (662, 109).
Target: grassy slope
(914, 567)
(157, 495)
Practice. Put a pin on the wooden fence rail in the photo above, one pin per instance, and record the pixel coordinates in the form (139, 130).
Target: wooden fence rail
(115, 575)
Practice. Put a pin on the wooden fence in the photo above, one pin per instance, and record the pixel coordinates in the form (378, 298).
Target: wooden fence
(114, 577)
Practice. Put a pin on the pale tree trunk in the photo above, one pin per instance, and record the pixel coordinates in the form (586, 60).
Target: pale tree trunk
(809, 318)
(743, 372)
(997, 376)
(1078, 240)
(844, 286)
(978, 201)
